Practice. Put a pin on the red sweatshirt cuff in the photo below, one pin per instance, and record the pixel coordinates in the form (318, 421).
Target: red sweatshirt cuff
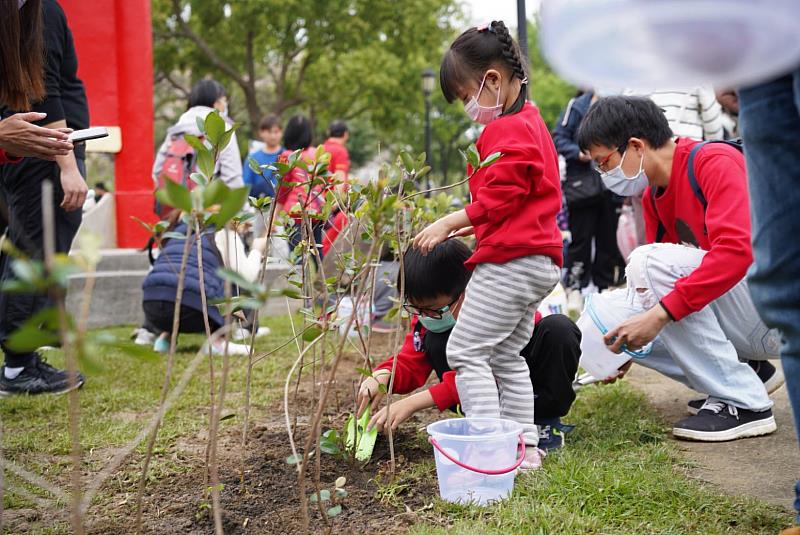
(676, 306)
(445, 394)
(6, 158)
(476, 213)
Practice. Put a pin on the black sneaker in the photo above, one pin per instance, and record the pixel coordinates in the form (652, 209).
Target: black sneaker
(766, 371)
(40, 378)
(718, 421)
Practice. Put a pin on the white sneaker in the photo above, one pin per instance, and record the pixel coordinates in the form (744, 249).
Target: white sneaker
(233, 349)
(143, 337)
(244, 334)
(533, 459)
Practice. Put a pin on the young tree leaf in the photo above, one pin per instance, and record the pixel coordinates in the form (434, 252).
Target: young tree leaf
(341, 481)
(205, 162)
(492, 158)
(294, 459)
(324, 495)
(178, 196)
(214, 193)
(195, 142)
(237, 279)
(312, 334)
(215, 128)
(335, 510)
(199, 179)
(230, 206)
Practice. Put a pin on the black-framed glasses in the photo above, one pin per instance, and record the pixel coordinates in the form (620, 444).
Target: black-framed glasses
(435, 313)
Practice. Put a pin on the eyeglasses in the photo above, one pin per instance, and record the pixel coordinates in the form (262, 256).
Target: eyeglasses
(435, 313)
(602, 165)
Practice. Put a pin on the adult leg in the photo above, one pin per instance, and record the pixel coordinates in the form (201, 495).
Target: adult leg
(494, 324)
(698, 344)
(770, 126)
(608, 266)
(582, 221)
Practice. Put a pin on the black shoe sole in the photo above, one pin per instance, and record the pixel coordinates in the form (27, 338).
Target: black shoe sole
(68, 388)
(750, 429)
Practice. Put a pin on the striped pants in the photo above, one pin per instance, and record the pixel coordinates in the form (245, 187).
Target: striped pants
(494, 325)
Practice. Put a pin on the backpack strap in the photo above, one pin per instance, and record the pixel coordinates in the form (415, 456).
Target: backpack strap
(698, 192)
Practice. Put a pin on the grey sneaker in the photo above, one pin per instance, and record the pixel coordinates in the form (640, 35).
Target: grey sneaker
(39, 378)
(766, 371)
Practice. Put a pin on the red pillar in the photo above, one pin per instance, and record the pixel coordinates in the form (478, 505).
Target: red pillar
(113, 39)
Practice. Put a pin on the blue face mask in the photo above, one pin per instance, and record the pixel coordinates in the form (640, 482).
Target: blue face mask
(639, 354)
(439, 325)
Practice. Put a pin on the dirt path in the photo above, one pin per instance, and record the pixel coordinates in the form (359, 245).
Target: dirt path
(765, 467)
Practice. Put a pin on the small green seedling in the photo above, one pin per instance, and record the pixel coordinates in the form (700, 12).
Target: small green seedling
(359, 438)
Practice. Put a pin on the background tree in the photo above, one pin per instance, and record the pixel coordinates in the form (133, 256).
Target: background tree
(328, 58)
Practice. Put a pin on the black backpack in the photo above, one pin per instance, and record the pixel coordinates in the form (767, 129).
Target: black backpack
(736, 143)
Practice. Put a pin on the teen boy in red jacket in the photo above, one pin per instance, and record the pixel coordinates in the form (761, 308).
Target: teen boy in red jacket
(435, 287)
(687, 287)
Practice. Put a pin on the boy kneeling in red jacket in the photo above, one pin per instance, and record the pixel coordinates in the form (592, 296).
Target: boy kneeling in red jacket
(434, 286)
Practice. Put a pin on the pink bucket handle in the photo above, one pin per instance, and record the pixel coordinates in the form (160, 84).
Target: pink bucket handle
(447, 456)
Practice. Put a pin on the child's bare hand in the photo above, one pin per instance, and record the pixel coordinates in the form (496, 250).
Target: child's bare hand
(370, 394)
(401, 411)
(460, 233)
(431, 236)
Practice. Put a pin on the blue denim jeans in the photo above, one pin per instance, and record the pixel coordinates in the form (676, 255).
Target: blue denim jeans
(770, 126)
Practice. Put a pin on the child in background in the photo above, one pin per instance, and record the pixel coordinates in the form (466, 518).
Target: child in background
(270, 132)
(517, 260)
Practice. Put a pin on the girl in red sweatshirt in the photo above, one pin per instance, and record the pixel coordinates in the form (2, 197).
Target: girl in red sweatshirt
(517, 260)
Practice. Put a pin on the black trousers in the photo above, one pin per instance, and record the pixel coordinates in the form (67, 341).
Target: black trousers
(598, 222)
(21, 186)
(158, 317)
(552, 356)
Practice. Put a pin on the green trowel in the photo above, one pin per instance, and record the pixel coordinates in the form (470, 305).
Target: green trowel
(359, 438)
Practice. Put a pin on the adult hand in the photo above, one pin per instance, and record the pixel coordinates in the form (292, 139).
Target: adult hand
(431, 236)
(18, 137)
(370, 394)
(620, 373)
(637, 331)
(401, 411)
(75, 189)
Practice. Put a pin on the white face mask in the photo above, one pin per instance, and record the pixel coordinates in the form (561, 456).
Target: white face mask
(622, 185)
(483, 114)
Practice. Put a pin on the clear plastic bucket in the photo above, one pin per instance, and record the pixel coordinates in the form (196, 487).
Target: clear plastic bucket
(476, 458)
(652, 44)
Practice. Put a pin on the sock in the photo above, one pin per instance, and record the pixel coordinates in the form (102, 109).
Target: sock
(12, 373)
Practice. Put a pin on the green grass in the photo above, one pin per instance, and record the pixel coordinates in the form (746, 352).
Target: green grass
(618, 475)
(119, 398)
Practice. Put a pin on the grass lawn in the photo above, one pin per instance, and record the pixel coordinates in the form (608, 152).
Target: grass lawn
(618, 473)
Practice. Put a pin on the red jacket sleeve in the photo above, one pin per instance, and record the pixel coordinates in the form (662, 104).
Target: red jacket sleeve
(507, 183)
(723, 180)
(5, 158)
(412, 372)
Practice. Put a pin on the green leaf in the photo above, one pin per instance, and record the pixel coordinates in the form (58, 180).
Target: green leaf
(143, 353)
(205, 162)
(335, 510)
(215, 128)
(214, 193)
(226, 137)
(195, 142)
(492, 158)
(199, 179)
(237, 279)
(324, 495)
(177, 196)
(228, 417)
(233, 202)
(365, 372)
(294, 459)
(291, 293)
(27, 271)
(341, 493)
(472, 156)
(39, 330)
(255, 166)
(312, 334)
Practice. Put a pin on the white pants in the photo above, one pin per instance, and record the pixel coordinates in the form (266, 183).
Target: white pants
(705, 350)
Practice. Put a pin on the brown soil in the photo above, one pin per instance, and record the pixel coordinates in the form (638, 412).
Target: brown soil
(268, 502)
